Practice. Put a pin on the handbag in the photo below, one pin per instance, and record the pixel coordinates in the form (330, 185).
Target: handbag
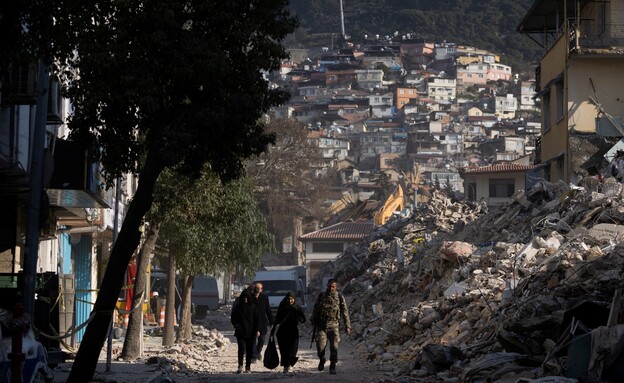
(271, 357)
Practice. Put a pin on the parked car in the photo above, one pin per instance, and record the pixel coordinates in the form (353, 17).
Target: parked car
(204, 293)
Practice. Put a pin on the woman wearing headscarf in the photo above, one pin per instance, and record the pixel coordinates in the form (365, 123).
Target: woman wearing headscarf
(246, 321)
(288, 317)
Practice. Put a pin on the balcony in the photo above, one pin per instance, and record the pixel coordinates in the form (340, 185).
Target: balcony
(591, 36)
(76, 182)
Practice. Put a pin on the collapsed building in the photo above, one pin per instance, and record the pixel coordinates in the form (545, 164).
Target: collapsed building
(462, 292)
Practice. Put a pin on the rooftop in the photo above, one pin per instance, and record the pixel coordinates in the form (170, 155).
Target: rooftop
(341, 231)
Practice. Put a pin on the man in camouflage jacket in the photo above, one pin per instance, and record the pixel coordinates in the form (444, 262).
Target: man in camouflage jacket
(330, 306)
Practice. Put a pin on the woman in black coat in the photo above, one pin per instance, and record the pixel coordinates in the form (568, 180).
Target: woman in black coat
(246, 322)
(288, 317)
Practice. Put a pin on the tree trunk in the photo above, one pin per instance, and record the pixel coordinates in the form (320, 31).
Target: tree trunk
(170, 309)
(185, 331)
(132, 343)
(127, 242)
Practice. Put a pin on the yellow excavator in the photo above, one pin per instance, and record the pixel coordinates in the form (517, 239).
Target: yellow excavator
(398, 200)
(395, 202)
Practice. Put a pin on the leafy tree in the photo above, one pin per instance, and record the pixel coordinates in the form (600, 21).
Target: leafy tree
(162, 84)
(285, 179)
(214, 227)
(210, 227)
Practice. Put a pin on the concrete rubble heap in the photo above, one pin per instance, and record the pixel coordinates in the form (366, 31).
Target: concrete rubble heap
(510, 292)
(190, 357)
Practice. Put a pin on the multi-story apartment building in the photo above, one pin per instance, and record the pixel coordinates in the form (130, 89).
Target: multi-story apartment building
(332, 146)
(506, 106)
(404, 96)
(374, 143)
(527, 96)
(473, 74)
(381, 105)
(369, 78)
(76, 222)
(577, 78)
(442, 89)
(499, 72)
(420, 51)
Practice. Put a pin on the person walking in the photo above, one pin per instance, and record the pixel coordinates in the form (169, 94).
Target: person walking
(246, 321)
(266, 319)
(329, 308)
(288, 317)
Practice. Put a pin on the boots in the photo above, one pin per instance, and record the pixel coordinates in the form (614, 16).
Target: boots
(240, 369)
(321, 365)
(332, 368)
(285, 369)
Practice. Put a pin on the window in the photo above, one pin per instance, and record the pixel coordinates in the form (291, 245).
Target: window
(560, 100)
(546, 111)
(502, 187)
(277, 288)
(560, 169)
(471, 191)
(327, 247)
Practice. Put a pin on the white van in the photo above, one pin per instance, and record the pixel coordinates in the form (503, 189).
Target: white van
(204, 295)
(278, 281)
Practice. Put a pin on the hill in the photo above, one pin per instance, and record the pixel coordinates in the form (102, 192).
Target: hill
(488, 25)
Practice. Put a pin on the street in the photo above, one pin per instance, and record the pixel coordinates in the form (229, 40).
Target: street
(221, 366)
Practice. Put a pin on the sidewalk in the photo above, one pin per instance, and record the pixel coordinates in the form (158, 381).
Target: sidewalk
(139, 371)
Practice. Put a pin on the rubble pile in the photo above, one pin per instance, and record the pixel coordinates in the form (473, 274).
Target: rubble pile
(510, 292)
(191, 356)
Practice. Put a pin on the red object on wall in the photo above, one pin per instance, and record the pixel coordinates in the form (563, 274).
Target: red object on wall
(130, 278)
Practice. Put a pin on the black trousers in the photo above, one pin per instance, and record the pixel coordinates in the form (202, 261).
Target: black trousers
(245, 347)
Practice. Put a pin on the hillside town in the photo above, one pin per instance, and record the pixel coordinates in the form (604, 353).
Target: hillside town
(474, 226)
(443, 106)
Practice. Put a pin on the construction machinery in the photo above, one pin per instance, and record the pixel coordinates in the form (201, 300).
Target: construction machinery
(394, 203)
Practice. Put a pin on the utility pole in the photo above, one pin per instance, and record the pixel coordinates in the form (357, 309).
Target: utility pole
(342, 27)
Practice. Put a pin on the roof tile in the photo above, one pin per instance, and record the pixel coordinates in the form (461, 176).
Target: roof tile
(341, 231)
(500, 168)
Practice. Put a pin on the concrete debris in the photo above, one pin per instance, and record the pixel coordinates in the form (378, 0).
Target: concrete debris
(508, 297)
(188, 358)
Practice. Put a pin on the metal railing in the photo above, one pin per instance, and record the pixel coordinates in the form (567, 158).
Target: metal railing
(591, 34)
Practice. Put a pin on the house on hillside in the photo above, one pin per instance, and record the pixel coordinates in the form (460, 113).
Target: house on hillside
(403, 96)
(442, 89)
(369, 78)
(381, 105)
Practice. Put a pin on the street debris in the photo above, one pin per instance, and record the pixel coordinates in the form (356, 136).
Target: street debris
(523, 291)
(526, 292)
